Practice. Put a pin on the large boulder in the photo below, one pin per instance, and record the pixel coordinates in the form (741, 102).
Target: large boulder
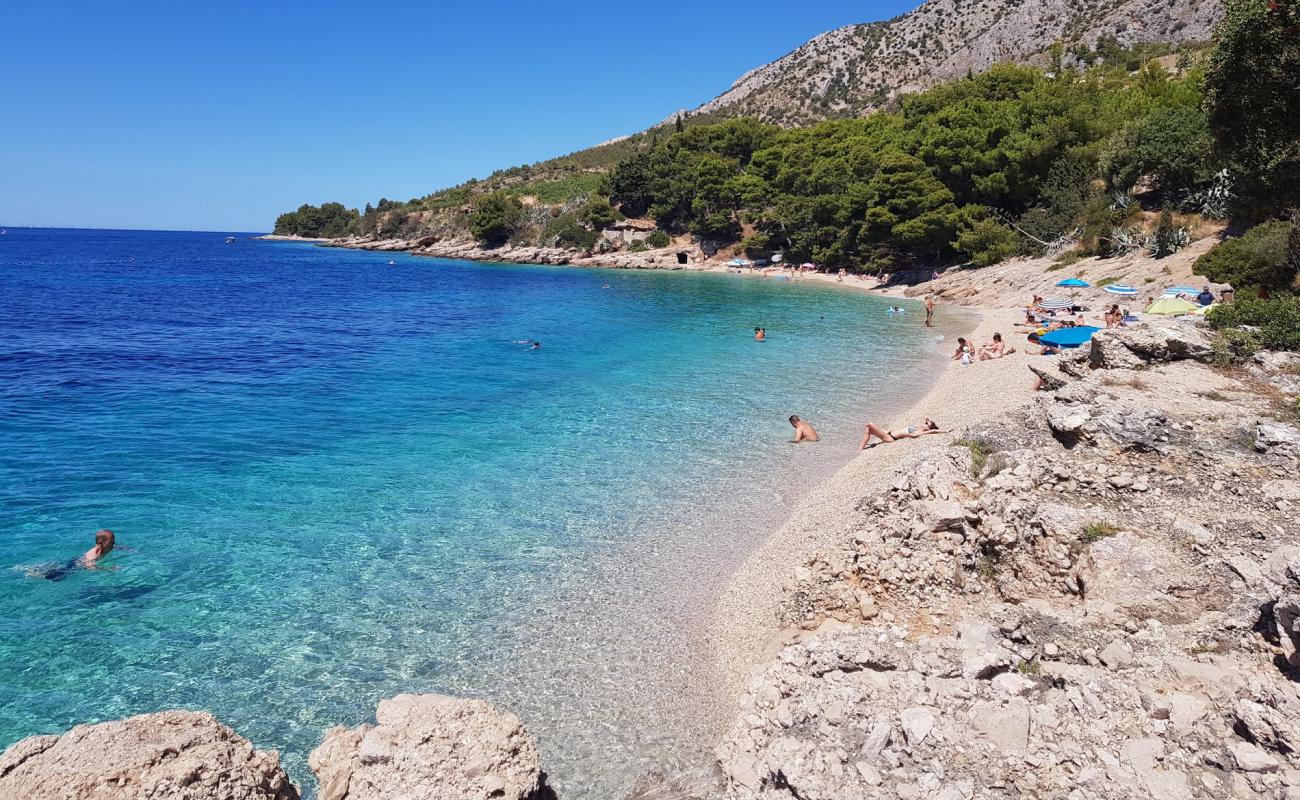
(1126, 348)
(431, 747)
(172, 755)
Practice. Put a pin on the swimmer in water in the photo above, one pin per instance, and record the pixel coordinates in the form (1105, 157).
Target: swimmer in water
(760, 334)
(803, 431)
(104, 543)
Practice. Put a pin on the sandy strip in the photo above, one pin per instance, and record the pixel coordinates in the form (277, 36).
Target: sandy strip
(744, 632)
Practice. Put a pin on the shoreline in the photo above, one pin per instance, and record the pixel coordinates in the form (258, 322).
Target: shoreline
(744, 630)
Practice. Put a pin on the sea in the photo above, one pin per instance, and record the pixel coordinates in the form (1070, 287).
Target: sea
(336, 476)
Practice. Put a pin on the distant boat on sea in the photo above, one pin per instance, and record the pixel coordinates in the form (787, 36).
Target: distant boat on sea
(230, 240)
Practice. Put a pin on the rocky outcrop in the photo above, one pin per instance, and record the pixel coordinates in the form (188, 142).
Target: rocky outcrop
(430, 747)
(470, 250)
(1157, 342)
(858, 68)
(172, 755)
(1095, 597)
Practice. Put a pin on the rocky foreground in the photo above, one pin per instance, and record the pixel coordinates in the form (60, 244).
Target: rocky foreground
(423, 747)
(1095, 596)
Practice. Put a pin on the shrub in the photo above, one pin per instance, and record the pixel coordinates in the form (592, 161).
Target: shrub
(987, 242)
(980, 450)
(658, 238)
(1272, 324)
(495, 218)
(1166, 239)
(637, 246)
(1256, 260)
(1173, 144)
(566, 231)
(599, 214)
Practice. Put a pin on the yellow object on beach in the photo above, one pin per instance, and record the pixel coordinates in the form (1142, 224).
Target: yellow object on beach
(1171, 307)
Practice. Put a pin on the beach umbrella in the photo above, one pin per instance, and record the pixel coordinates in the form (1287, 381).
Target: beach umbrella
(1068, 337)
(1055, 304)
(1074, 283)
(738, 262)
(807, 265)
(1177, 290)
(1171, 307)
(1121, 289)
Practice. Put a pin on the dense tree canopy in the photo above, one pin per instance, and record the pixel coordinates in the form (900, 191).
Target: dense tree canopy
(1253, 101)
(936, 179)
(328, 220)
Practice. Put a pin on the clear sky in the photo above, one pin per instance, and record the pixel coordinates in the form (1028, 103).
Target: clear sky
(218, 116)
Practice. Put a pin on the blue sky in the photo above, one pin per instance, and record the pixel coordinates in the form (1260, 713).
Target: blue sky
(211, 116)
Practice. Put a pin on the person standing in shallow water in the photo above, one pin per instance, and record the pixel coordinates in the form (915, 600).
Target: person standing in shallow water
(929, 310)
(803, 431)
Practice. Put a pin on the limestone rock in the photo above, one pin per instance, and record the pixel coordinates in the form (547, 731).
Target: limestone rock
(431, 747)
(1251, 758)
(1277, 437)
(917, 723)
(171, 755)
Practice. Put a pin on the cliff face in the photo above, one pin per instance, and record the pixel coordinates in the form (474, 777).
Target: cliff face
(855, 69)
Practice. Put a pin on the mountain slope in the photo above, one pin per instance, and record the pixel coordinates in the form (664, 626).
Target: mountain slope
(858, 68)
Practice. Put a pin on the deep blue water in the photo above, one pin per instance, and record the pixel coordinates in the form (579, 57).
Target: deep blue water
(342, 479)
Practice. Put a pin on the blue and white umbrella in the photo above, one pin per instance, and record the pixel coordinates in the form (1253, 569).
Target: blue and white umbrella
(738, 262)
(1055, 304)
(1121, 289)
(1174, 291)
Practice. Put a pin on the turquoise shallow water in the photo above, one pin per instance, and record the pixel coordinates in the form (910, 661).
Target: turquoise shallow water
(343, 479)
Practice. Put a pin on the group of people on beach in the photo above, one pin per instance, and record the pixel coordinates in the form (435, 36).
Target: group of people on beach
(805, 432)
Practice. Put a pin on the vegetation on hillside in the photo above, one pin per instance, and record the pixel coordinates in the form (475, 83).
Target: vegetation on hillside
(1013, 160)
(974, 170)
(327, 220)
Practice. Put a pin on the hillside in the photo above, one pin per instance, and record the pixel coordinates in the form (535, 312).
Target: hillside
(852, 71)
(858, 68)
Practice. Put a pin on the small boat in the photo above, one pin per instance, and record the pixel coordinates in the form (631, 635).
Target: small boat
(230, 240)
(3, 231)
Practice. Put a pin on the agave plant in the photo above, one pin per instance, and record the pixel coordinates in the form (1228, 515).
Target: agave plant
(1128, 240)
(1213, 200)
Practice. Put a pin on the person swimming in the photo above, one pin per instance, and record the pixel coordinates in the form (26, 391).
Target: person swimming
(105, 541)
(760, 334)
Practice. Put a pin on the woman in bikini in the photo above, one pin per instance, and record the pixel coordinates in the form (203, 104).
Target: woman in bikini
(871, 429)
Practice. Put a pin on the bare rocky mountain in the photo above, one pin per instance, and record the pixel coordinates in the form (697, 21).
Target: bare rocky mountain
(855, 69)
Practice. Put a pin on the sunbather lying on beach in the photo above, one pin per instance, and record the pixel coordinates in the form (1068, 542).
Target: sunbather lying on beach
(886, 437)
